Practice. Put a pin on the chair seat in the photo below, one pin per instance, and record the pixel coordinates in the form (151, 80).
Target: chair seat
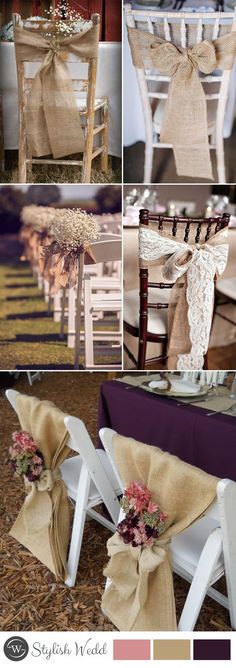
(227, 287)
(187, 546)
(71, 468)
(157, 318)
(159, 114)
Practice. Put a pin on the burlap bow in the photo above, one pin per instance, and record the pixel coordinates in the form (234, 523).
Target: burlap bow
(53, 123)
(140, 596)
(134, 579)
(61, 267)
(43, 523)
(37, 509)
(192, 268)
(185, 116)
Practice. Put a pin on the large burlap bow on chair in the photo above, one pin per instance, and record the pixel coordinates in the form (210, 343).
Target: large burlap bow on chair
(192, 268)
(140, 596)
(43, 524)
(185, 117)
(62, 267)
(53, 123)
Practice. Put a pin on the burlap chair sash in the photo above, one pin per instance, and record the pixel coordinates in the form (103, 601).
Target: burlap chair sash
(61, 267)
(192, 268)
(185, 117)
(140, 596)
(53, 123)
(43, 524)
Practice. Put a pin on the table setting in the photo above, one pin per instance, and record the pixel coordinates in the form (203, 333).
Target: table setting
(192, 427)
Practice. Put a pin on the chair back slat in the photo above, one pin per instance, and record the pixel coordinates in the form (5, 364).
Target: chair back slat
(189, 230)
(216, 28)
(183, 34)
(199, 30)
(167, 30)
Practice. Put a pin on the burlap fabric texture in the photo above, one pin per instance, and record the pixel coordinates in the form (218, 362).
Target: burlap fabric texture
(53, 124)
(43, 523)
(192, 268)
(185, 117)
(140, 596)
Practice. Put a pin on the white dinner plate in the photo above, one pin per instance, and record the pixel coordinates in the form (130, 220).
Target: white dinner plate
(176, 393)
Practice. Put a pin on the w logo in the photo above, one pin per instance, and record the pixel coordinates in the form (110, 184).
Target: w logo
(16, 648)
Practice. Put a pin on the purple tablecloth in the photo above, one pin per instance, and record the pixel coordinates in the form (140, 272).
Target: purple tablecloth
(206, 442)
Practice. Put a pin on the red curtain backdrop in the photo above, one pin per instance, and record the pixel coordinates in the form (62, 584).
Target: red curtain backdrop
(110, 13)
(16, 6)
(36, 8)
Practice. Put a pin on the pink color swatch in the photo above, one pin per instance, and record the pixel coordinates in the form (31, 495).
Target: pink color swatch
(137, 650)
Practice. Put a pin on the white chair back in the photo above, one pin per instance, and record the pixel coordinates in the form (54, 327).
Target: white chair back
(184, 29)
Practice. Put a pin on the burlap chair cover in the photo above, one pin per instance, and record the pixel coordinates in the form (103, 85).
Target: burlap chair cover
(192, 267)
(185, 117)
(43, 523)
(141, 596)
(52, 119)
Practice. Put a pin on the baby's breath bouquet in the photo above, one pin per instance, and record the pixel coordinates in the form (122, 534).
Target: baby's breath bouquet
(66, 21)
(39, 218)
(72, 231)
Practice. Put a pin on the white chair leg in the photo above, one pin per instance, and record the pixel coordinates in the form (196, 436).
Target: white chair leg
(201, 580)
(71, 318)
(220, 160)
(88, 324)
(226, 501)
(57, 306)
(148, 162)
(78, 526)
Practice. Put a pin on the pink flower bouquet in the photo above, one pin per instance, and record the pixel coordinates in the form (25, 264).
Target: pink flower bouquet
(26, 460)
(144, 520)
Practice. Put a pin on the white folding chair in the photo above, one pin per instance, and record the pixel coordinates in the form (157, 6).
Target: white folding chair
(153, 86)
(204, 552)
(89, 480)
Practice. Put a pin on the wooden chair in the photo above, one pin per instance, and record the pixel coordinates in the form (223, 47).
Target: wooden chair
(145, 319)
(204, 552)
(83, 75)
(183, 29)
(89, 480)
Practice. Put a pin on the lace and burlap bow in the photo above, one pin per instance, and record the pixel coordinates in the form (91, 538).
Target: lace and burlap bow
(192, 268)
(140, 596)
(53, 123)
(185, 117)
(43, 524)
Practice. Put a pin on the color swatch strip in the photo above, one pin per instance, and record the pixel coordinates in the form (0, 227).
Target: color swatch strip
(136, 650)
(172, 650)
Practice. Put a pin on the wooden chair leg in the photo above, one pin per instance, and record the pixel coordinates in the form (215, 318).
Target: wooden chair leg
(104, 154)
(142, 347)
(22, 159)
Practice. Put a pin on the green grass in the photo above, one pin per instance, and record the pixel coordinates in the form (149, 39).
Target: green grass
(29, 337)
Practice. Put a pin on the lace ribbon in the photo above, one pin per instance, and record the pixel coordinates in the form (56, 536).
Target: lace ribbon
(200, 262)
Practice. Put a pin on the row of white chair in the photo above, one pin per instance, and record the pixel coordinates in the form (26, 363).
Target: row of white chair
(101, 294)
